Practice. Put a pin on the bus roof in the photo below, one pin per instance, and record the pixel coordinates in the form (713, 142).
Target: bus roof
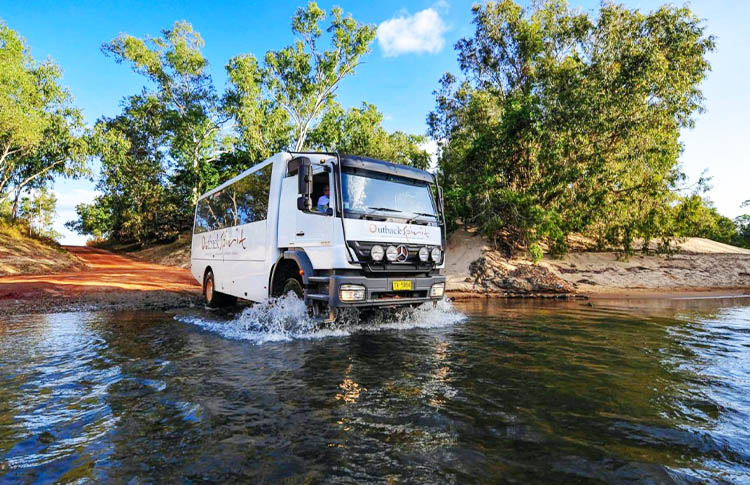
(366, 163)
(354, 161)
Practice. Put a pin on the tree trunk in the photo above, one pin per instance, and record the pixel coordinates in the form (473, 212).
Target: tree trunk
(14, 211)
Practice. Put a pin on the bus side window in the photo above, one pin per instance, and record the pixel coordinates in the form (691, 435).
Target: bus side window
(201, 217)
(230, 205)
(243, 202)
(216, 212)
(252, 196)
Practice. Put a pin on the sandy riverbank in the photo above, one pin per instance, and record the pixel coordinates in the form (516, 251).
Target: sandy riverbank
(108, 282)
(701, 267)
(111, 281)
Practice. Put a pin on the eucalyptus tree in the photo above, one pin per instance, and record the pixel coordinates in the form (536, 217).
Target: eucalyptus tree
(300, 79)
(261, 125)
(566, 122)
(41, 132)
(190, 110)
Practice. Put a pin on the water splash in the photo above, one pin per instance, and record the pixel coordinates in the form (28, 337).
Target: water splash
(286, 318)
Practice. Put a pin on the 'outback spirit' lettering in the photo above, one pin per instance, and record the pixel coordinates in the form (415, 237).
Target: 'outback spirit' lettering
(220, 241)
(403, 230)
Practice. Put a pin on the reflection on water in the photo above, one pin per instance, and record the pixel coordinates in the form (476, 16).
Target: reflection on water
(621, 391)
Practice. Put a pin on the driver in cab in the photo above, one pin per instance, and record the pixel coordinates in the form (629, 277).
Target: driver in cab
(324, 200)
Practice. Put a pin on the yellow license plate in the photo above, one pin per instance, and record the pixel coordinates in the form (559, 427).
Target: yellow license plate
(404, 285)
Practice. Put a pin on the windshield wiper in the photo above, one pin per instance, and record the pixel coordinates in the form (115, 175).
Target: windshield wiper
(386, 209)
(417, 215)
(370, 210)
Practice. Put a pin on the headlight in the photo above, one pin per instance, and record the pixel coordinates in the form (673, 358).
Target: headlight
(351, 293)
(376, 253)
(436, 254)
(437, 290)
(391, 253)
(424, 254)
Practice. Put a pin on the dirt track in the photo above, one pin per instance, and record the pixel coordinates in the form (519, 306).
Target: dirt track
(111, 281)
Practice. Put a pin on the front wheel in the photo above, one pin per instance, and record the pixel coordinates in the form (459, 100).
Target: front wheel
(215, 299)
(293, 285)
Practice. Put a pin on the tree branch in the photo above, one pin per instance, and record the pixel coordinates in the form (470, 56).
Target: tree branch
(28, 179)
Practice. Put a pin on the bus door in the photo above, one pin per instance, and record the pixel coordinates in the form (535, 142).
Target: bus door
(314, 225)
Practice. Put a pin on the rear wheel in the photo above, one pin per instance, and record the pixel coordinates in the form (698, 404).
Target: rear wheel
(215, 299)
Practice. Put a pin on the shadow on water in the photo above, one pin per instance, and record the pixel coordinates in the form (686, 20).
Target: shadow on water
(621, 391)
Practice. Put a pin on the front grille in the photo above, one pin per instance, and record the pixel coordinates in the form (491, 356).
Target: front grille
(411, 265)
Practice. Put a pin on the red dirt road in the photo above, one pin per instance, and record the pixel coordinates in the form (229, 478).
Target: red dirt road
(106, 273)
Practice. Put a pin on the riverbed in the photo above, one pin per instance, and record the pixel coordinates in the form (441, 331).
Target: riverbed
(485, 391)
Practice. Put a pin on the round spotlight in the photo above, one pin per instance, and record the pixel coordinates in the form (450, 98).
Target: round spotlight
(377, 252)
(424, 254)
(391, 253)
(436, 254)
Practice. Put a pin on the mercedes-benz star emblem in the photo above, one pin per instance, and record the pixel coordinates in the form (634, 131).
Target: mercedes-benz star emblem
(403, 253)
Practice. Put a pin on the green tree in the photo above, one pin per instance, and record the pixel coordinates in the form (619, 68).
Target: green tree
(94, 219)
(137, 202)
(300, 79)
(742, 228)
(39, 209)
(695, 216)
(359, 131)
(262, 125)
(184, 93)
(567, 122)
(41, 132)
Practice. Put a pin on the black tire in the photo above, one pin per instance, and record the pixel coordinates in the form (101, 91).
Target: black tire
(215, 299)
(295, 286)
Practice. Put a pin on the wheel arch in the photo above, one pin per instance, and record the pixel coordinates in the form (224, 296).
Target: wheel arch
(291, 262)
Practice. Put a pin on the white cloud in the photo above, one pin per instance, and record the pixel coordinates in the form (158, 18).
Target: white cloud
(419, 33)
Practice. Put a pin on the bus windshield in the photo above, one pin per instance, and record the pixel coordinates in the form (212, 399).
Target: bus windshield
(365, 193)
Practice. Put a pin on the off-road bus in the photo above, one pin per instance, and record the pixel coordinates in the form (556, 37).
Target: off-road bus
(336, 230)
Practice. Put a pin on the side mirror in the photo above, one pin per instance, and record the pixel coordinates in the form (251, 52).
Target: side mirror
(304, 184)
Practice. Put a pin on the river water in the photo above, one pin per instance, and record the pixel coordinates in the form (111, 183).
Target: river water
(488, 391)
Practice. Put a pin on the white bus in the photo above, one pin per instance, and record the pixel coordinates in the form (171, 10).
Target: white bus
(337, 231)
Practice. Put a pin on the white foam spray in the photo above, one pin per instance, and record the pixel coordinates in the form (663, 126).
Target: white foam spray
(286, 318)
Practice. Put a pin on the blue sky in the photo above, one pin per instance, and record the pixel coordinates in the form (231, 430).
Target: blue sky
(410, 55)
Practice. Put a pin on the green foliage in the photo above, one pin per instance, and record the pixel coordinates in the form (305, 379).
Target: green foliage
(40, 130)
(277, 104)
(94, 219)
(302, 78)
(359, 131)
(742, 235)
(262, 125)
(536, 253)
(184, 102)
(693, 216)
(742, 229)
(162, 151)
(38, 209)
(567, 122)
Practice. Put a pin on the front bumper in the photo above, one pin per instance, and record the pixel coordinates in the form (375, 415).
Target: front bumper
(379, 291)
